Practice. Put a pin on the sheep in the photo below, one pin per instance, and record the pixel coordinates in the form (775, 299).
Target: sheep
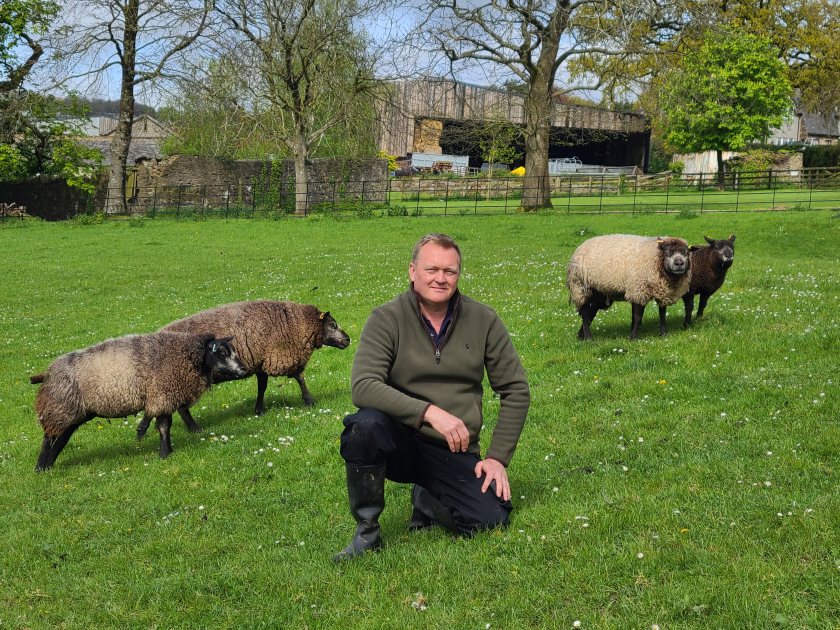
(155, 373)
(709, 265)
(273, 338)
(635, 269)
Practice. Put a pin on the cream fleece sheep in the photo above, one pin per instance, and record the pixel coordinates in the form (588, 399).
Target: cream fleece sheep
(273, 338)
(624, 267)
(155, 373)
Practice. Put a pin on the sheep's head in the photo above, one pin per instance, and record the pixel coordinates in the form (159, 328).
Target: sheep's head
(333, 335)
(221, 358)
(674, 255)
(723, 250)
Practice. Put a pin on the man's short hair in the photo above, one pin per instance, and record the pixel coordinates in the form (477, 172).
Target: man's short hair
(443, 240)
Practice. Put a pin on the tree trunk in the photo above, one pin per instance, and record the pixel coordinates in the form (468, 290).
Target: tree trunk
(301, 176)
(536, 192)
(122, 134)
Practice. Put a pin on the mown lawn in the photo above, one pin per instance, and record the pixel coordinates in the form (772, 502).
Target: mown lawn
(689, 481)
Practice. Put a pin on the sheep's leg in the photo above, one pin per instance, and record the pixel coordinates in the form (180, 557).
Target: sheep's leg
(52, 446)
(186, 416)
(688, 300)
(164, 424)
(588, 312)
(663, 329)
(704, 297)
(143, 427)
(638, 312)
(304, 391)
(262, 384)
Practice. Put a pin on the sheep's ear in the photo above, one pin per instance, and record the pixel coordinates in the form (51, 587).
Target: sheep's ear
(323, 315)
(710, 241)
(732, 238)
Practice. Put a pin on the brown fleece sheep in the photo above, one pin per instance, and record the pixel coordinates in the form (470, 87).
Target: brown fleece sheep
(272, 338)
(624, 267)
(709, 265)
(156, 373)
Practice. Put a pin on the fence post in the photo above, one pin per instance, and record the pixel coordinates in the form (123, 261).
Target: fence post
(569, 200)
(770, 180)
(737, 191)
(154, 201)
(178, 203)
(810, 190)
(446, 198)
(601, 196)
(507, 190)
(475, 199)
(335, 192)
(702, 192)
(635, 190)
(203, 199)
(417, 204)
(667, 190)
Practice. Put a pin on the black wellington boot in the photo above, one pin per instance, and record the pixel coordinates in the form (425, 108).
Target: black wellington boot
(427, 511)
(366, 491)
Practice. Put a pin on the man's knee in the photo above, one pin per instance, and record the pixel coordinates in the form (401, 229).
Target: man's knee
(363, 434)
(489, 515)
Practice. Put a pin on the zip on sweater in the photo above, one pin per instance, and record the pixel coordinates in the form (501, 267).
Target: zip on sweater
(437, 346)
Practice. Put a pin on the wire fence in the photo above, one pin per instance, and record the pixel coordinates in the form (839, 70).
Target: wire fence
(450, 195)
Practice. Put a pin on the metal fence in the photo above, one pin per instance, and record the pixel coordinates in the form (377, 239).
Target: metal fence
(571, 193)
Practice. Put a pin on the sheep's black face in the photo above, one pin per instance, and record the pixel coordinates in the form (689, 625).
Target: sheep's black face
(675, 256)
(723, 249)
(333, 335)
(221, 358)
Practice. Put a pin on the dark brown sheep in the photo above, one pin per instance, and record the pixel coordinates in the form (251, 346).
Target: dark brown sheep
(273, 338)
(156, 373)
(709, 264)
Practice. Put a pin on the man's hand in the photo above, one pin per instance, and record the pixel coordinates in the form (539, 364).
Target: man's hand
(494, 470)
(449, 426)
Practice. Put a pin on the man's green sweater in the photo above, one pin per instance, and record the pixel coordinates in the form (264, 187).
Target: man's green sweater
(399, 370)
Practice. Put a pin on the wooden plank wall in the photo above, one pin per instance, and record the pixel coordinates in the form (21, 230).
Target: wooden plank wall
(444, 99)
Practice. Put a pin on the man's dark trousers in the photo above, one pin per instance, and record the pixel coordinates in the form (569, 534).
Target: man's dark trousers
(371, 437)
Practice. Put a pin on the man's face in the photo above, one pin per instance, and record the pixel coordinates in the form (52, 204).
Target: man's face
(435, 274)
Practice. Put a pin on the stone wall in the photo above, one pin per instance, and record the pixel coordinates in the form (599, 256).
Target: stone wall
(213, 183)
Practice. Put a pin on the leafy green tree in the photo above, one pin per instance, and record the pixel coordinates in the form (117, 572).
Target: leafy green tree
(140, 41)
(550, 48)
(35, 129)
(306, 73)
(727, 93)
(807, 36)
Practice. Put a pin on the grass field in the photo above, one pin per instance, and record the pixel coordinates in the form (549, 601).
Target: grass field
(689, 481)
(691, 201)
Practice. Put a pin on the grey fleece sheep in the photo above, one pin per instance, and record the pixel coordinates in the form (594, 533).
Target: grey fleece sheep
(709, 265)
(272, 338)
(155, 373)
(623, 267)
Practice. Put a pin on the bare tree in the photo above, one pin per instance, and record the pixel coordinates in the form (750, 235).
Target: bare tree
(309, 62)
(539, 42)
(136, 41)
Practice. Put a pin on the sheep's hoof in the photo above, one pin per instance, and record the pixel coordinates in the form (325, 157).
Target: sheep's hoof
(259, 411)
(195, 428)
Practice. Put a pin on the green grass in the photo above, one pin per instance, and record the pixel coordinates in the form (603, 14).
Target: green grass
(430, 203)
(689, 481)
